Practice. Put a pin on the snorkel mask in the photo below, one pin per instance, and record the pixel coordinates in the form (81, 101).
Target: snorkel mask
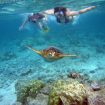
(59, 14)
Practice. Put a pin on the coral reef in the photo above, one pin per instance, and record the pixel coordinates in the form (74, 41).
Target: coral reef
(67, 92)
(60, 92)
(27, 89)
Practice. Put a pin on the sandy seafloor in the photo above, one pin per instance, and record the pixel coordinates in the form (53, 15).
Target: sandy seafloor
(18, 62)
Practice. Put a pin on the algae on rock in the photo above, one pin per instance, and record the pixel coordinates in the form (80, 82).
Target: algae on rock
(62, 92)
(67, 92)
(27, 89)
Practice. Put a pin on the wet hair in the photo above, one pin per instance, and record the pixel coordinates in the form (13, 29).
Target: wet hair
(59, 10)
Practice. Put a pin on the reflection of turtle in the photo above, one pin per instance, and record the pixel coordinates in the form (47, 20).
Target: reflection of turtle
(51, 53)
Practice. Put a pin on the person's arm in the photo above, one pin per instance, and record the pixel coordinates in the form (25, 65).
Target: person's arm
(73, 13)
(86, 9)
(23, 24)
(49, 12)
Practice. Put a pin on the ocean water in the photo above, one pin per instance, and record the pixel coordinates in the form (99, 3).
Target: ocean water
(85, 37)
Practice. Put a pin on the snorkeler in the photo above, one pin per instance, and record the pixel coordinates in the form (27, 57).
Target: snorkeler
(65, 15)
(39, 19)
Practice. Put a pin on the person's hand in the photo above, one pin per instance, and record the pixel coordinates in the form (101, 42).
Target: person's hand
(93, 7)
(20, 28)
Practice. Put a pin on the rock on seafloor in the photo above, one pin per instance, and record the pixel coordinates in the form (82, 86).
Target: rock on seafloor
(60, 92)
(27, 89)
(68, 92)
(40, 99)
(74, 75)
(95, 86)
(97, 97)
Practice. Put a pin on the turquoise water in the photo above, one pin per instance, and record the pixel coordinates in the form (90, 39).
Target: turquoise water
(85, 36)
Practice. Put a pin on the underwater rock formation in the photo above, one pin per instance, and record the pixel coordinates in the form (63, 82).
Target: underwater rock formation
(40, 99)
(95, 86)
(27, 89)
(60, 92)
(74, 75)
(67, 92)
(96, 97)
(82, 78)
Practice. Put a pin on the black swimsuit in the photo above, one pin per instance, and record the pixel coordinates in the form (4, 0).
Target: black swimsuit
(58, 10)
(35, 17)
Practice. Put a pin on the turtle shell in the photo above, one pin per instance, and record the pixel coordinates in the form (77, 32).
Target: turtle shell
(51, 53)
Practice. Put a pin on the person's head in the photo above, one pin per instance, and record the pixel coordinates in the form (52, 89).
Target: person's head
(60, 10)
(60, 14)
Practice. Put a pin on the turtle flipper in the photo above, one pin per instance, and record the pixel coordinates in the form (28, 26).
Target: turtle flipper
(36, 51)
(68, 55)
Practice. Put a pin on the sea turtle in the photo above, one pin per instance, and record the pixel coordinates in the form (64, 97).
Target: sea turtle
(51, 53)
